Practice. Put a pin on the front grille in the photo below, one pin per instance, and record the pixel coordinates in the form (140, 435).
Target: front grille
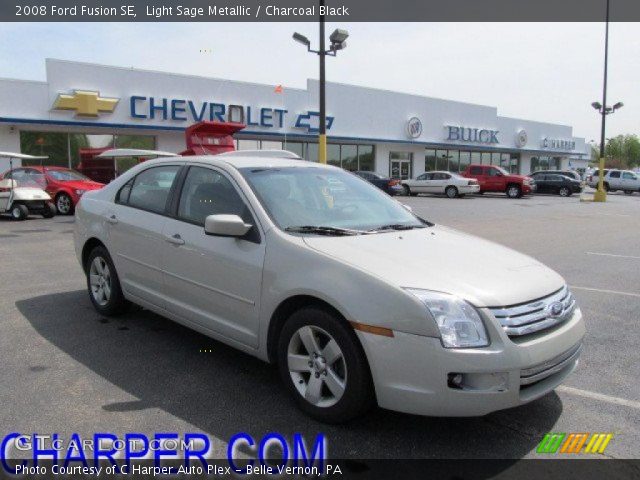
(547, 312)
(543, 370)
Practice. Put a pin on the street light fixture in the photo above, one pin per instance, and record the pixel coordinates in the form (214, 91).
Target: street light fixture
(338, 42)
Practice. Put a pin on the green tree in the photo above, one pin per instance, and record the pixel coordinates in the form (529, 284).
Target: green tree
(623, 151)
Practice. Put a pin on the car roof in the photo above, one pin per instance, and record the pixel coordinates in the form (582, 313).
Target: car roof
(244, 161)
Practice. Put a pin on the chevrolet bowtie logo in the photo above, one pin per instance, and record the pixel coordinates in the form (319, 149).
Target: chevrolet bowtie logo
(85, 103)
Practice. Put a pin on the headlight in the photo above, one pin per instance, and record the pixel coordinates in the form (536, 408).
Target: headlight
(80, 192)
(459, 323)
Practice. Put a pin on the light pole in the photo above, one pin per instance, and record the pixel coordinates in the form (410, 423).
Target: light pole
(601, 194)
(338, 42)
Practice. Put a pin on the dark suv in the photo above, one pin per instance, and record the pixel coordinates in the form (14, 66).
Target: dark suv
(386, 184)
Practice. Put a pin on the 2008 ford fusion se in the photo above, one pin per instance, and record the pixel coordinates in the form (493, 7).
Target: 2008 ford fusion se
(356, 299)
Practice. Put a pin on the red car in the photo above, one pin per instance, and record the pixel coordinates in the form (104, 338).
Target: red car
(496, 179)
(65, 186)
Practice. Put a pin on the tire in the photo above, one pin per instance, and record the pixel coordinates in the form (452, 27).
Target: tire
(514, 191)
(406, 190)
(319, 327)
(103, 284)
(49, 210)
(451, 191)
(628, 192)
(19, 212)
(64, 204)
(605, 185)
(564, 192)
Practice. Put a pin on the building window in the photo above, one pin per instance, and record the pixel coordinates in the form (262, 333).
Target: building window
(486, 158)
(69, 149)
(248, 144)
(366, 160)
(333, 154)
(270, 145)
(475, 158)
(400, 165)
(465, 160)
(454, 160)
(349, 157)
(295, 147)
(545, 163)
(430, 160)
(312, 152)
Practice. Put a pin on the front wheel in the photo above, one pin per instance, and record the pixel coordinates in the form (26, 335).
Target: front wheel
(49, 210)
(323, 366)
(628, 192)
(406, 190)
(514, 191)
(564, 192)
(19, 212)
(64, 204)
(103, 283)
(451, 191)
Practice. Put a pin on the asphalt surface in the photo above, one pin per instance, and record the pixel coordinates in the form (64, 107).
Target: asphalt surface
(64, 368)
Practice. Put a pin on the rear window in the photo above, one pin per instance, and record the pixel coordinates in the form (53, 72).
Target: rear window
(614, 175)
(150, 189)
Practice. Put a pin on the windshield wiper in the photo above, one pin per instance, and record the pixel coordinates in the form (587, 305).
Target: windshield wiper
(396, 226)
(324, 230)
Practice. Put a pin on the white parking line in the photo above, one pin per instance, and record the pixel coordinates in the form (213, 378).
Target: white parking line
(615, 292)
(599, 396)
(612, 255)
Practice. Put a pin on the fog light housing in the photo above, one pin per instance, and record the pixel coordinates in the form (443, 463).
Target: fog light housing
(454, 380)
(479, 382)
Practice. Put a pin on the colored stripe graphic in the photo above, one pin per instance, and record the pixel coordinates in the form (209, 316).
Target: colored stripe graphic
(598, 443)
(574, 442)
(550, 443)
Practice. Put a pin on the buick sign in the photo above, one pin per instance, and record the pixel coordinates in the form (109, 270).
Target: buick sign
(414, 127)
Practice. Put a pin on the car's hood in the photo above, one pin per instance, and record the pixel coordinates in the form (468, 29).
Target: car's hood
(441, 259)
(83, 185)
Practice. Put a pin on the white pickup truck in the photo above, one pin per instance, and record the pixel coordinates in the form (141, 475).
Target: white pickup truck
(624, 180)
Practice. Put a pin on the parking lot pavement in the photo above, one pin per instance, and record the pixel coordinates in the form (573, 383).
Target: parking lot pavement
(66, 369)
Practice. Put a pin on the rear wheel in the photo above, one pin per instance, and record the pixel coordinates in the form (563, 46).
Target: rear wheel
(605, 185)
(514, 191)
(564, 191)
(451, 191)
(628, 192)
(406, 190)
(323, 366)
(103, 283)
(49, 210)
(19, 212)
(64, 204)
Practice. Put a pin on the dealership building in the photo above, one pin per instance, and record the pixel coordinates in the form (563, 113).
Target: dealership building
(81, 109)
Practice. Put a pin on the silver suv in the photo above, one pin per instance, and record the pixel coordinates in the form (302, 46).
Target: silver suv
(613, 180)
(356, 299)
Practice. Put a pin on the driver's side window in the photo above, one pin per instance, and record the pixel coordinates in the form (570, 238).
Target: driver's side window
(493, 172)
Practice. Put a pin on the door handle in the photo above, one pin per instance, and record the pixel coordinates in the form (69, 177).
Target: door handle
(175, 239)
(112, 220)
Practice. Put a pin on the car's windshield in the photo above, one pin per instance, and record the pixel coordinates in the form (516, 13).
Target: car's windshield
(31, 179)
(502, 170)
(66, 175)
(331, 198)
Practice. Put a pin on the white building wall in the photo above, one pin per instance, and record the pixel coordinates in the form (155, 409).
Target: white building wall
(9, 142)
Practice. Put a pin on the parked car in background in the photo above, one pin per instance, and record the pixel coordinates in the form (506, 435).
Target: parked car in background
(444, 183)
(567, 173)
(65, 186)
(357, 300)
(386, 184)
(614, 180)
(496, 179)
(562, 185)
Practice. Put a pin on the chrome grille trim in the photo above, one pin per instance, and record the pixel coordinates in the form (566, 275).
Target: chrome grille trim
(534, 316)
(546, 369)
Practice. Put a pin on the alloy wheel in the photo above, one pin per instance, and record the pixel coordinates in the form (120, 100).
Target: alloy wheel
(63, 204)
(317, 366)
(100, 281)
(564, 192)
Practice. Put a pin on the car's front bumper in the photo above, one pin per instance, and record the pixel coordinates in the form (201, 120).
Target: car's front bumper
(411, 372)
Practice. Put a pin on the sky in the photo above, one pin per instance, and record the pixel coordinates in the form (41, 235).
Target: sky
(549, 72)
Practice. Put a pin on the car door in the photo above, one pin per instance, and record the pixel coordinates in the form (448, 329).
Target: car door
(478, 173)
(437, 182)
(213, 281)
(494, 180)
(630, 181)
(615, 180)
(135, 229)
(420, 184)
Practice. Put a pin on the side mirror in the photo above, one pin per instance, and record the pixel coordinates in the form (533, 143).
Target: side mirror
(225, 226)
